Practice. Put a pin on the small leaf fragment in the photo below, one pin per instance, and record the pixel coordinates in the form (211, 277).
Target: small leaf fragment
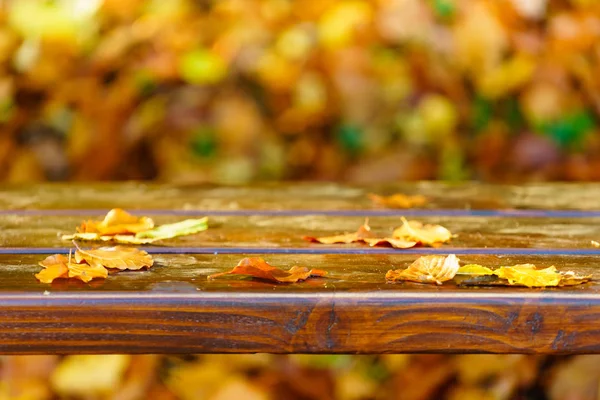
(527, 276)
(118, 239)
(569, 278)
(425, 234)
(117, 221)
(475, 270)
(362, 233)
(168, 231)
(259, 268)
(427, 269)
(398, 200)
(116, 257)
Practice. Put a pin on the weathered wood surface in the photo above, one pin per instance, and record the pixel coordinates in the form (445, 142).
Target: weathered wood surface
(173, 307)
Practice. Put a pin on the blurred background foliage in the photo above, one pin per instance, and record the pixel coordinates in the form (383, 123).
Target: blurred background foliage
(232, 91)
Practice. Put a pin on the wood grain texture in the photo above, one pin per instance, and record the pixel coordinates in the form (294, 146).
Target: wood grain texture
(173, 308)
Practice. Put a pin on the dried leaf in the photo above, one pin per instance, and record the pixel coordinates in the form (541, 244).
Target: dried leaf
(363, 232)
(52, 272)
(427, 269)
(395, 243)
(570, 278)
(168, 231)
(398, 200)
(259, 268)
(86, 272)
(116, 257)
(96, 237)
(116, 222)
(527, 275)
(475, 270)
(425, 234)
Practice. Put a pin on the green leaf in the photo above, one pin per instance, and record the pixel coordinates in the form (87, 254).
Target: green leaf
(168, 231)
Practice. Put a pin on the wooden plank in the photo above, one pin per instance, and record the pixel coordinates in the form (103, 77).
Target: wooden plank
(173, 308)
(288, 231)
(297, 196)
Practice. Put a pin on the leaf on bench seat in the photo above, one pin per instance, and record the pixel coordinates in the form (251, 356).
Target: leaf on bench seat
(116, 257)
(430, 235)
(521, 275)
(168, 231)
(117, 221)
(474, 270)
(398, 200)
(570, 278)
(395, 243)
(362, 233)
(259, 268)
(54, 267)
(427, 269)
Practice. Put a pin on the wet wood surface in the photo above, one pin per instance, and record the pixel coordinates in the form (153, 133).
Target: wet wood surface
(173, 308)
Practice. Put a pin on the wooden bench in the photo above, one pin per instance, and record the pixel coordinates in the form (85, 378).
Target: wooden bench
(173, 308)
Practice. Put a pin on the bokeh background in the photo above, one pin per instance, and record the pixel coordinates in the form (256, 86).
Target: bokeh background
(236, 91)
(233, 91)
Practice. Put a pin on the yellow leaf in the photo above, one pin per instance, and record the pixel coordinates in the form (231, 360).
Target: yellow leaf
(54, 267)
(425, 234)
(474, 269)
(117, 257)
(86, 272)
(427, 269)
(398, 200)
(527, 276)
(117, 221)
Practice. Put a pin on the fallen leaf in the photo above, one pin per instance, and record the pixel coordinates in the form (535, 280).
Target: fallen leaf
(398, 200)
(86, 272)
(475, 270)
(54, 267)
(259, 268)
(425, 234)
(570, 278)
(118, 239)
(594, 243)
(427, 269)
(362, 233)
(168, 231)
(527, 275)
(395, 243)
(116, 257)
(117, 221)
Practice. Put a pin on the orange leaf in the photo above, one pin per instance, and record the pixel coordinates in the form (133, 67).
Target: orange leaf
(117, 257)
(54, 267)
(259, 268)
(425, 234)
(398, 200)
(86, 272)
(427, 269)
(362, 233)
(117, 222)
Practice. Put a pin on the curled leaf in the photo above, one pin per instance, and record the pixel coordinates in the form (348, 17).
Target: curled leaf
(117, 221)
(527, 275)
(395, 243)
(570, 278)
(168, 231)
(54, 267)
(362, 233)
(425, 234)
(427, 269)
(259, 268)
(475, 270)
(398, 200)
(116, 257)
(86, 272)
